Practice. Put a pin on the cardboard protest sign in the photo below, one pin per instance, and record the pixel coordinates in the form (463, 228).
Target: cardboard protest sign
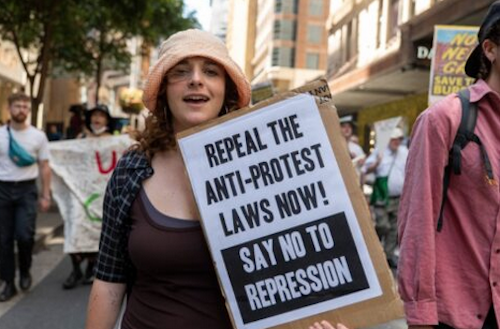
(80, 171)
(452, 46)
(285, 220)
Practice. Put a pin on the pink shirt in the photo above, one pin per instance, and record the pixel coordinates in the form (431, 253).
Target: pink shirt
(452, 276)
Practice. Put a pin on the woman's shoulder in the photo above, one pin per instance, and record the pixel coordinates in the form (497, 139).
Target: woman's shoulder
(132, 159)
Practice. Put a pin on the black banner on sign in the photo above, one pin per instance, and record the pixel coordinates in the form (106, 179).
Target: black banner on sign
(298, 267)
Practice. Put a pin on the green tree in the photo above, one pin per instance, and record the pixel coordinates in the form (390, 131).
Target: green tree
(32, 25)
(106, 27)
(84, 36)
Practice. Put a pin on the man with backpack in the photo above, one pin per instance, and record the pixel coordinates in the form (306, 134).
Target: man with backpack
(449, 219)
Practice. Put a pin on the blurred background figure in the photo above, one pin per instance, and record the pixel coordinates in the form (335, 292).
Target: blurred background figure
(389, 168)
(76, 121)
(356, 153)
(98, 123)
(53, 134)
(19, 193)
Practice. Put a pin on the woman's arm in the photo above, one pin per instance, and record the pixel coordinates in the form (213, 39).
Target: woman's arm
(105, 303)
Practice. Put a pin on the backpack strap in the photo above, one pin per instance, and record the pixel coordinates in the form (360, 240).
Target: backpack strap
(465, 131)
(465, 134)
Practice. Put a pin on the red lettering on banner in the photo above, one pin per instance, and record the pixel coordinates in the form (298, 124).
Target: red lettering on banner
(99, 164)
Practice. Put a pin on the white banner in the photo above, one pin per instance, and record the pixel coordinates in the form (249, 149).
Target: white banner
(80, 171)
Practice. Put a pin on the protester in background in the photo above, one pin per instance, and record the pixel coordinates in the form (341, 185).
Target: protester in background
(449, 278)
(53, 134)
(76, 122)
(23, 157)
(356, 153)
(150, 216)
(389, 168)
(98, 122)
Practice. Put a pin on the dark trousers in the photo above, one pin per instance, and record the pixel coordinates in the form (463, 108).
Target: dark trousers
(18, 208)
(489, 323)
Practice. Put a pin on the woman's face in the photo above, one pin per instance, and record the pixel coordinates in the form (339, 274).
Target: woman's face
(195, 91)
(98, 120)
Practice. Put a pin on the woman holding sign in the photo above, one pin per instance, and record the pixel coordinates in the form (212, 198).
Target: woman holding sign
(152, 246)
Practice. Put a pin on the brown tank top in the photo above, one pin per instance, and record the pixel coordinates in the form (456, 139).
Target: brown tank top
(176, 285)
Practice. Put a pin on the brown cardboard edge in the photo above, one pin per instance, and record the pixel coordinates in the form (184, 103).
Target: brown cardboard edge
(371, 312)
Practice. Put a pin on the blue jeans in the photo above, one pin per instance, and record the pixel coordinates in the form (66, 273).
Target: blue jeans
(18, 209)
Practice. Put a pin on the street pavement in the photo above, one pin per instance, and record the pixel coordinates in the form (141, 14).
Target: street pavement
(46, 305)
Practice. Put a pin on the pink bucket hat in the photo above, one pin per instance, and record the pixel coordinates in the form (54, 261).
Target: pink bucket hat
(193, 43)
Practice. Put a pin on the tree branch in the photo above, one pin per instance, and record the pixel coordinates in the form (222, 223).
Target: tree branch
(18, 50)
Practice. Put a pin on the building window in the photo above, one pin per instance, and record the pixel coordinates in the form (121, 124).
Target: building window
(413, 8)
(393, 18)
(285, 29)
(286, 6)
(350, 41)
(314, 33)
(312, 61)
(283, 56)
(316, 7)
(380, 23)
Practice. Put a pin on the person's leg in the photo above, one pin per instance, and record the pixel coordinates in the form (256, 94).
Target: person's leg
(76, 274)
(7, 263)
(391, 240)
(25, 222)
(383, 228)
(91, 258)
(381, 223)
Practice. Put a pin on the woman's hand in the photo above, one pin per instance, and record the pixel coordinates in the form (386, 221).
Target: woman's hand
(326, 325)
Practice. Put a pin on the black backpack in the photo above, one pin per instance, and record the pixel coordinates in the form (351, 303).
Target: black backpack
(465, 134)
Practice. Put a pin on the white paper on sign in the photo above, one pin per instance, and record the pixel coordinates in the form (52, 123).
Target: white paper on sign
(277, 215)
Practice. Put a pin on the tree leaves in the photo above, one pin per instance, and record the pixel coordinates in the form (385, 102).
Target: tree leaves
(85, 36)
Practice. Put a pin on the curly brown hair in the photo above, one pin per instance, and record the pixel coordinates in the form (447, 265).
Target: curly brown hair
(159, 132)
(492, 34)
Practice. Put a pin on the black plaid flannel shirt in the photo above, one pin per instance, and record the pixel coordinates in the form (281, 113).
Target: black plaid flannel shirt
(113, 262)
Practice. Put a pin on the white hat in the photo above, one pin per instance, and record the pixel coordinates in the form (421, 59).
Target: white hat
(397, 133)
(347, 119)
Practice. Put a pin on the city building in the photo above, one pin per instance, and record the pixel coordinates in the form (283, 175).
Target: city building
(241, 29)
(218, 20)
(379, 54)
(286, 39)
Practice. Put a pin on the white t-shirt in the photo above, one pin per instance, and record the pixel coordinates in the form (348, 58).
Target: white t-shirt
(32, 140)
(396, 160)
